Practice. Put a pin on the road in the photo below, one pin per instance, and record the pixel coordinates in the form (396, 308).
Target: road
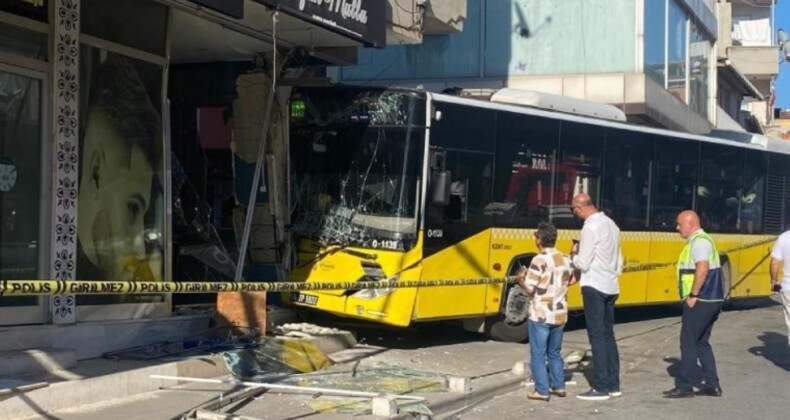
(750, 344)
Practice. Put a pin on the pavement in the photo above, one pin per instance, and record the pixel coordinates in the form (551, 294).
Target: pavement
(750, 342)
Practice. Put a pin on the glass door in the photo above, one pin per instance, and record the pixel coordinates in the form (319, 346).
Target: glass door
(21, 176)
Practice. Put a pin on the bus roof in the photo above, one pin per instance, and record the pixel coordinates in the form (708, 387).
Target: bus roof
(761, 143)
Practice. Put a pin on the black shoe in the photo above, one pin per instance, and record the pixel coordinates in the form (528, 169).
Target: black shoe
(679, 393)
(709, 392)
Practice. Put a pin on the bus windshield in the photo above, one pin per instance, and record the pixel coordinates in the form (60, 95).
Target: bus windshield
(356, 166)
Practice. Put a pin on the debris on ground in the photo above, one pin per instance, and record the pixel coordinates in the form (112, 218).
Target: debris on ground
(274, 355)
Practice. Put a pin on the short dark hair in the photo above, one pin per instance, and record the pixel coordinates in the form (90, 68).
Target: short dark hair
(117, 90)
(547, 233)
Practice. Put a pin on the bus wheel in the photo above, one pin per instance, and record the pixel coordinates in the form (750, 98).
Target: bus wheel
(511, 325)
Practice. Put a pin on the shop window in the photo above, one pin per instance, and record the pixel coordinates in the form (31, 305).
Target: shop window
(20, 180)
(120, 230)
(23, 42)
(139, 24)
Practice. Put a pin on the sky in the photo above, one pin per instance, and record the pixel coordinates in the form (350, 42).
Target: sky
(782, 16)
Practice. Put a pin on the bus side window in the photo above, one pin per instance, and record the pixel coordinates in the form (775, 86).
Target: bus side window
(524, 169)
(626, 192)
(752, 194)
(674, 182)
(578, 170)
(719, 192)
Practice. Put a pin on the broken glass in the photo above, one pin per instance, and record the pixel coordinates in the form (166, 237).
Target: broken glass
(276, 356)
(358, 173)
(199, 252)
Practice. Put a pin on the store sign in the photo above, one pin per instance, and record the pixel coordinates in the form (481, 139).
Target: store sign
(361, 20)
(232, 8)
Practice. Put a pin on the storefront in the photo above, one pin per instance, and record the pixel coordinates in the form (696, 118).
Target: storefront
(25, 92)
(86, 170)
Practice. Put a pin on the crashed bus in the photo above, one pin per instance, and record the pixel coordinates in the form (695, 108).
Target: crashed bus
(405, 185)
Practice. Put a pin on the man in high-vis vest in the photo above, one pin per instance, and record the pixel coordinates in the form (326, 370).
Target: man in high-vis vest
(702, 293)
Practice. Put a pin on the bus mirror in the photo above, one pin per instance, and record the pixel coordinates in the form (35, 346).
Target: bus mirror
(440, 187)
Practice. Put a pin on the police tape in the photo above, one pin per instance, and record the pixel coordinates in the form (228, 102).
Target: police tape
(82, 287)
(87, 287)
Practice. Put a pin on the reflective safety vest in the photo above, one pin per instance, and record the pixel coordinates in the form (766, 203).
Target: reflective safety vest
(713, 289)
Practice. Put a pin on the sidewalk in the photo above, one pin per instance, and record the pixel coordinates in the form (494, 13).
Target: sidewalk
(645, 344)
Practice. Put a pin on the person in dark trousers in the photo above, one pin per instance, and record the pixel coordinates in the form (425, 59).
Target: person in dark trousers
(702, 294)
(597, 256)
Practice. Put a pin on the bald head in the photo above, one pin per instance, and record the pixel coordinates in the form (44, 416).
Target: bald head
(582, 206)
(687, 223)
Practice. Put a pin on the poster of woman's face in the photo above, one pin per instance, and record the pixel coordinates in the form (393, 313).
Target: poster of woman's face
(120, 221)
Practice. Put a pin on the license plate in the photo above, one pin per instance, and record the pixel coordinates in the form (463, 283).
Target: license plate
(305, 299)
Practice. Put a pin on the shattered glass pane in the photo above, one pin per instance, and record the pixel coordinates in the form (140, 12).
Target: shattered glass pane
(200, 254)
(390, 380)
(358, 176)
(276, 356)
(384, 380)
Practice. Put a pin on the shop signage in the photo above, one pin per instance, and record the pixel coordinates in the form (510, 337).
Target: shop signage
(361, 20)
(232, 8)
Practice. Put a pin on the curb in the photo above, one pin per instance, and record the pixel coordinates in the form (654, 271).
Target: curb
(453, 402)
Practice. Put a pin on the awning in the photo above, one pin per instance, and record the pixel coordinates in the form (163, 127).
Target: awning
(729, 70)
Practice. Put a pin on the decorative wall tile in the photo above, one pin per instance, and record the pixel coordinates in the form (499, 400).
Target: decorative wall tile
(64, 239)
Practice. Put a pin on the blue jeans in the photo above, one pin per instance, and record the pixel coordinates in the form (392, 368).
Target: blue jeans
(545, 343)
(599, 317)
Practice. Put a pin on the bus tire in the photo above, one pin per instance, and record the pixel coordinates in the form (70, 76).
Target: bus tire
(510, 325)
(498, 330)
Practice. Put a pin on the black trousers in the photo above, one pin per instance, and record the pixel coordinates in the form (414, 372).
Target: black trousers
(697, 323)
(599, 317)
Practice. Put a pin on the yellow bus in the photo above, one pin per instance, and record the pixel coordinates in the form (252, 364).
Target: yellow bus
(410, 185)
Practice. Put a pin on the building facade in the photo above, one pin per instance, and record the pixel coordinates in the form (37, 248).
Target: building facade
(748, 63)
(651, 58)
(97, 96)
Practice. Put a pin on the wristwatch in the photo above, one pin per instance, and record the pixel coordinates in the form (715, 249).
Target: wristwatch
(693, 295)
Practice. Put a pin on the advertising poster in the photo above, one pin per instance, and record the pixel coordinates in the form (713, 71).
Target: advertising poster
(120, 225)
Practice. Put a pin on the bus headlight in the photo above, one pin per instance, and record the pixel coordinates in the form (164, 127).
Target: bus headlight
(376, 293)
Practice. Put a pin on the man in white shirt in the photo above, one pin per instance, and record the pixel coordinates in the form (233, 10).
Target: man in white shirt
(598, 257)
(780, 255)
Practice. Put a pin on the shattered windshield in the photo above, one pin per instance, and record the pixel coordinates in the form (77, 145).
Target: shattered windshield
(356, 166)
